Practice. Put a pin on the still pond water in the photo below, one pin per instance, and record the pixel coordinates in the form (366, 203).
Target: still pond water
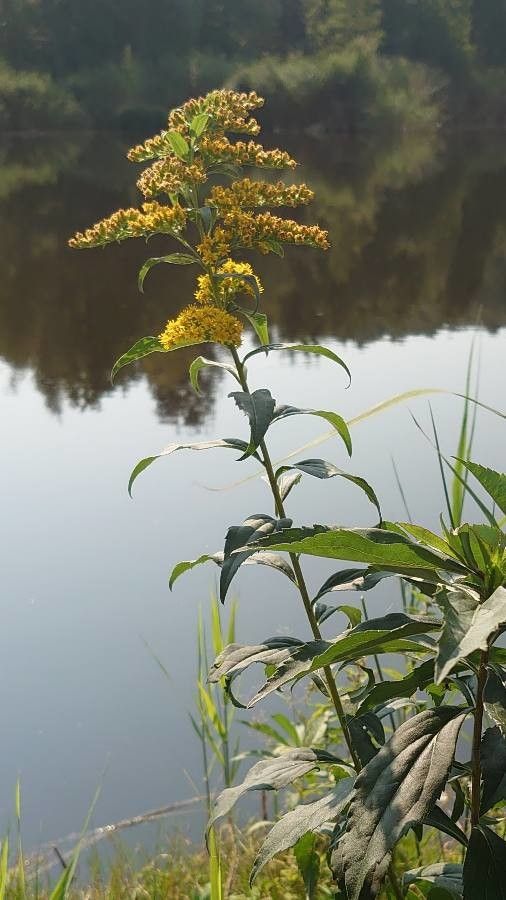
(417, 267)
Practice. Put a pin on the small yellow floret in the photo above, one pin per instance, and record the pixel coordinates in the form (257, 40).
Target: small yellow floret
(198, 324)
(225, 289)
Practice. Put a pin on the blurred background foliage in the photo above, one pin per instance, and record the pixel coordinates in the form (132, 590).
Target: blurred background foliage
(347, 64)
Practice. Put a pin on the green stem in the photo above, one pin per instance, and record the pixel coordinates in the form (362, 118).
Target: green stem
(476, 753)
(301, 583)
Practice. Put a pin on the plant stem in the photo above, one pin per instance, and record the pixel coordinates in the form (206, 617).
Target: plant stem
(301, 583)
(476, 753)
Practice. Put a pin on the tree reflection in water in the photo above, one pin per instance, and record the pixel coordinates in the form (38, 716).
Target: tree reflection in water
(418, 235)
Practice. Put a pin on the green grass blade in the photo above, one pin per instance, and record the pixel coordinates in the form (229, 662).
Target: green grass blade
(4, 857)
(61, 889)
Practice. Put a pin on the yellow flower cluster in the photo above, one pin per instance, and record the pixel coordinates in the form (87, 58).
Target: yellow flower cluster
(225, 289)
(247, 193)
(170, 176)
(157, 146)
(214, 247)
(197, 324)
(227, 111)
(220, 150)
(153, 218)
(244, 229)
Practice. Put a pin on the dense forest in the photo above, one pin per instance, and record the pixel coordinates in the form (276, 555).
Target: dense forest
(348, 64)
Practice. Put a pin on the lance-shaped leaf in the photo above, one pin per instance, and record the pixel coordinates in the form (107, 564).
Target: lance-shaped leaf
(202, 363)
(468, 626)
(141, 348)
(393, 793)
(353, 580)
(227, 443)
(259, 408)
(268, 775)
(337, 421)
(273, 560)
(447, 876)
(437, 818)
(176, 259)
(493, 768)
(320, 468)
(238, 536)
(484, 866)
(375, 546)
(493, 482)
(384, 691)
(286, 481)
(260, 325)
(495, 697)
(234, 658)
(323, 612)
(388, 634)
(303, 348)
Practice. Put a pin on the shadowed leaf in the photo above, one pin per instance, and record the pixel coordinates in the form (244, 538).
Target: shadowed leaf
(484, 866)
(493, 768)
(468, 626)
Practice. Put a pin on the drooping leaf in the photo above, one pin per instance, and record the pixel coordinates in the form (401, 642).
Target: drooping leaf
(320, 468)
(186, 564)
(236, 657)
(448, 876)
(375, 546)
(493, 482)
(237, 536)
(493, 768)
(141, 348)
(495, 698)
(415, 680)
(260, 325)
(273, 560)
(175, 259)
(308, 864)
(468, 626)
(304, 348)
(228, 443)
(323, 612)
(353, 580)
(201, 363)
(287, 481)
(390, 633)
(437, 818)
(395, 791)
(268, 775)
(337, 421)
(308, 817)
(484, 866)
(178, 144)
(259, 408)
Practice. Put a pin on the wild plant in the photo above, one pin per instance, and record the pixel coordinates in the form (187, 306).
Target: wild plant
(382, 786)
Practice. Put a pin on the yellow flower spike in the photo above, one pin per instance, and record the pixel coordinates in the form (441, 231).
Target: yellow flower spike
(153, 218)
(214, 247)
(198, 324)
(226, 289)
(220, 149)
(170, 176)
(247, 230)
(249, 194)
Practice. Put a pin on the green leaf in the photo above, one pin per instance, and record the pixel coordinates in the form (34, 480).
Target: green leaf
(395, 791)
(199, 124)
(468, 626)
(268, 775)
(4, 859)
(187, 564)
(438, 819)
(237, 657)
(493, 768)
(484, 866)
(201, 363)
(495, 698)
(141, 348)
(493, 482)
(320, 468)
(353, 580)
(260, 325)
(303, 348)
(62, 887)
(448, 876)
(178, 144)
(273, 560)
(228, 443)
(413, 681)
(308, 817)
(177, 259)
(259, 408)
(337, 421)
(323, 612)
(376, 546)
(382, 635)
(286, 481)
(308, 864)
(238, 536)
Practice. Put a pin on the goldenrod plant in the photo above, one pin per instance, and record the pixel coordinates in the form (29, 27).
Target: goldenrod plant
(383, 785)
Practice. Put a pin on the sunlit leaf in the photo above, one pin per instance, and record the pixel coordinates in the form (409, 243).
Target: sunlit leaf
(448, 876)
(201, 363)
(176, 259)
(320, 468)
(260, 325)
(141, 348)
(469, 624)
(303, 348)
(228, 443)
(495, 697)
(178, 144)
(493, 482)
(284, 411)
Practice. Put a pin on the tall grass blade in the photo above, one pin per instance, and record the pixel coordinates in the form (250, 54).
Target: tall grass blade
(215, 876)
(4, 857)
(62, 887)
(21, 861)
